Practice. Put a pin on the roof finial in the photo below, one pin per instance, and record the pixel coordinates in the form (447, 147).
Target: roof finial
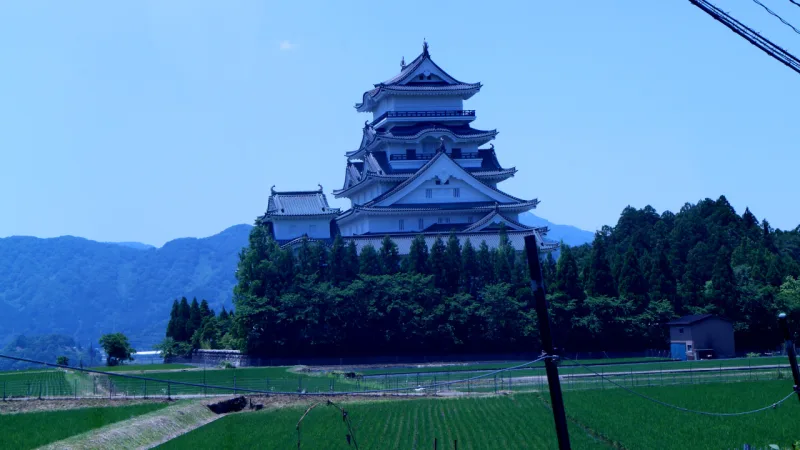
(403, 63)
(272, 190)
(441, 145)
(425, 47)
(320, 187)
(491, 147)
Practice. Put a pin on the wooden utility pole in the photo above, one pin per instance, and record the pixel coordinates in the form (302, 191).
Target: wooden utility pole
(787, 338)
(540, 304)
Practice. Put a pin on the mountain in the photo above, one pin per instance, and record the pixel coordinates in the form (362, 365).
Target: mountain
(80, 288)
(134, 245)
(571, 236)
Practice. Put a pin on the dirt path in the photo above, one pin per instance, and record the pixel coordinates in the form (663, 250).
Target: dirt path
(145, 431)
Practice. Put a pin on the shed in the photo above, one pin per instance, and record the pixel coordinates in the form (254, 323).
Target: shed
(701, 336)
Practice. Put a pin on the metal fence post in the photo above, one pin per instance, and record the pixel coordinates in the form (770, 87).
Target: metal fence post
(169, 393)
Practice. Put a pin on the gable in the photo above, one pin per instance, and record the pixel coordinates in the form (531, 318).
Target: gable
(427, 73)
(444, 169)
(495, 221)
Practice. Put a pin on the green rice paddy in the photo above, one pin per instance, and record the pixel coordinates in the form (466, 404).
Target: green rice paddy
(32, 430)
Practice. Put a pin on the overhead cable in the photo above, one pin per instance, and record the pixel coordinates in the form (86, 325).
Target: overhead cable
(777, 16)
(749, 34)
(680, 408)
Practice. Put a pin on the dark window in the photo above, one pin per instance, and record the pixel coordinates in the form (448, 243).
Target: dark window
(438, 181)
(456, 153)
(456, 192)
(680, 330)
(411, 153)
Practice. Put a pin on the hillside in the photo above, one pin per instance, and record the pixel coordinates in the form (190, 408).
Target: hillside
(570, 235)
(81, 288)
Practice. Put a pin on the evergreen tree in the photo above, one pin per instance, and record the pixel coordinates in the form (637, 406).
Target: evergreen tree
(662, 286)
(223, 315)
(195, 319)
(437, 263)
(369, 261)
(205, 311)
(184, 312)
(549, 271)
(750, 224)
(599, 280)
(722, 294)
(307, 259)
(767, 239)
(485, 266)
(389, 256)
(504, 257)
(469, 268)
(632, 284)
(452, 263)
(351, 260)
(173, 319)
(337, 263)
(417, 260)
(567, 278)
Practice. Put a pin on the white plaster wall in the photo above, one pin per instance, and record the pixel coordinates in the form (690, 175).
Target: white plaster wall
(444, 193)
(296, 227)
(427, 103)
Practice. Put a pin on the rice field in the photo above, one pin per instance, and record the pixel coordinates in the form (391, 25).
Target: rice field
(142, 367)
(598, 419)
(32, 430)
(35, 383)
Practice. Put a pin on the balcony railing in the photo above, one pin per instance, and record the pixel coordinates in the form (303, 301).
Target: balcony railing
(427, 156)
(449, 113)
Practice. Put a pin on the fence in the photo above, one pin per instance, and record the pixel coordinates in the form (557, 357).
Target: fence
(61, 383)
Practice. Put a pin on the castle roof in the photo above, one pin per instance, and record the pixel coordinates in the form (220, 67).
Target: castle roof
(298, 203)
(460, 132)
(408, 82)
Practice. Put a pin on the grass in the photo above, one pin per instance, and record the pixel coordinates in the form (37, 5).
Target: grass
(32, 430)
(637, 423)
(611, 418)
(142, 367)
(34, 383)
(498, 422)
(274, 379)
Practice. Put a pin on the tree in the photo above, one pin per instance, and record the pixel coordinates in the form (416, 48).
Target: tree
(62, 361)
(632, 284)
(567, 278)
(369, 262)
(452, 263)
(390, 258)
(117, 348)
(417, 259)
(170, 348)
(599, 280)
(173, 319)
(352, 264)
(437, 263)
(337, 263)
(205, 310)
(195, 319)
(485, 265)
(469, 268)
(182, 321)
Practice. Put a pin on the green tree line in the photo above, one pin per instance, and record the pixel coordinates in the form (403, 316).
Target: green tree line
(195, 325)
(462, 297)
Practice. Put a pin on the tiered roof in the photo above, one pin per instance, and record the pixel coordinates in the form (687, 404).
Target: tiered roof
(372, 137)
(406, 83)
(298, 203)
(376, 166)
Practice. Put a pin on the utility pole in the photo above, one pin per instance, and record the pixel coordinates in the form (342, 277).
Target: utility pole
(787, 338)
(540, 304)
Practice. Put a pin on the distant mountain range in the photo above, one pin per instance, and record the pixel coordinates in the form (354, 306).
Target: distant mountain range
(82, 288)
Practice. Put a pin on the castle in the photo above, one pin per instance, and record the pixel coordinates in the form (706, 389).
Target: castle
(421, 169)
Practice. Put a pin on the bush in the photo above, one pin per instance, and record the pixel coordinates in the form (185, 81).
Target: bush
(227, 365)
(62, 361)
(753, 355)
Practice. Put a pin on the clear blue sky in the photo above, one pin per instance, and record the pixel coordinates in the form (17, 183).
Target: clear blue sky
(152, 120)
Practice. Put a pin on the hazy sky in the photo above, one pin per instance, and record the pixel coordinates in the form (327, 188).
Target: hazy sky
(152, 120)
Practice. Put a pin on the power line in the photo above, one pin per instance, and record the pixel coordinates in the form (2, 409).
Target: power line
(795, 3)
(680, 408)
(777, 16)
(750, 35)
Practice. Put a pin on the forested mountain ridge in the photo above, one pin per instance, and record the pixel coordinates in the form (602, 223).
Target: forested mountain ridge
(461, 297)
(81, 288)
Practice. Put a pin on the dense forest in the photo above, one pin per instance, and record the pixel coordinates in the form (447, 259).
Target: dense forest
(48, 348)
(461, 297)
(195, 325)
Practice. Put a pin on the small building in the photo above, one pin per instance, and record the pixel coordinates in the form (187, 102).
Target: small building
(701, 336)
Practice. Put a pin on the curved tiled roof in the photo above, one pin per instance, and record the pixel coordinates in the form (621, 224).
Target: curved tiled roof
(299, 203)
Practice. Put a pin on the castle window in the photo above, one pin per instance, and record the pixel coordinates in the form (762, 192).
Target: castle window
(428, 193)
(438, 181)
(401, 225)
(421, 223)
(469, 219)
(456, 192)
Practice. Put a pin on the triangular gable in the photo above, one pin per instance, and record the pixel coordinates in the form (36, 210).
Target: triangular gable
(494, 220)
(429, 71)
(441, 166)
